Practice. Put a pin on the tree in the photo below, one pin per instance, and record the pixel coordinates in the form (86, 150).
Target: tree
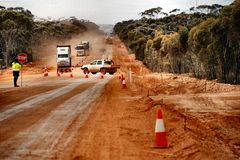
(174, 10)
(216, 9)
(192, 8)
(2, 7)
(183, 39)
(205, 42)
(204, 8)
(208, 9)
(153, 12)
(15, 28)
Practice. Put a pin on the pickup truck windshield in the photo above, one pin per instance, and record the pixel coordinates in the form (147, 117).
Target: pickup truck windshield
(93, 63)
(79, 47)
(108, 62)
(63, 56)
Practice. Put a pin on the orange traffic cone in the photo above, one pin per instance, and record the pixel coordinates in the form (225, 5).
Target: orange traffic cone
(122, 77)
(102, 76)
(58, 74)
(45, 73)
(119, 76)
(124, 86)
(161, 137)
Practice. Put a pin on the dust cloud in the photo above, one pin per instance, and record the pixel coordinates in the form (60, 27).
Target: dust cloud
(45, 54)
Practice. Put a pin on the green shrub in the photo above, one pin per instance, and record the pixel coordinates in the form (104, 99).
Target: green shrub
(157, 43)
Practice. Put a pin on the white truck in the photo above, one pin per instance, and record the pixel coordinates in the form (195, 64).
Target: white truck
(86, 44)
(64, 61)
(101, 65)
(83, 48)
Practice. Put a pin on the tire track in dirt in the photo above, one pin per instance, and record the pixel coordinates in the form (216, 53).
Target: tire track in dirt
(10, 98)
(36, 100)
(101, 136)
(70, 134)
(226, 104)
(22, 120)
(53, 132)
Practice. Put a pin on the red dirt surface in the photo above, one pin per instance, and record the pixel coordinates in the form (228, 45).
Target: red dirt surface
(201, 117)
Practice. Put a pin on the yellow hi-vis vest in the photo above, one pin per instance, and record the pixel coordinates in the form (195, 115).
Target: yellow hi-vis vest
(16, 66)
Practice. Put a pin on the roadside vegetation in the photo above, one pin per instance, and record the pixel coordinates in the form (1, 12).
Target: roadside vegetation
(204, 42)
(21, 32)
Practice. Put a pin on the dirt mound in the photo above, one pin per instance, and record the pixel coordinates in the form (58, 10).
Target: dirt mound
(205, 112)
(125, 130)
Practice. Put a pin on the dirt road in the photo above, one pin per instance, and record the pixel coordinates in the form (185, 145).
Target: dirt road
(44, 119)
(95, 119)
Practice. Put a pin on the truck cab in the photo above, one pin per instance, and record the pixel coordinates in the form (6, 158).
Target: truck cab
(82, 49)
(85, 44)
(64, 57)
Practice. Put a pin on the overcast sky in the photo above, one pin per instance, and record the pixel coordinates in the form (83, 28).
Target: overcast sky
(102, 11)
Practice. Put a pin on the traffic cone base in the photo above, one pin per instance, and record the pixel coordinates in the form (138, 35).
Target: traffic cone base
(45, 74)
(124, 86)
(58, 73)
(45, 71)
(161, 136)
(161, 140)
(119, 76)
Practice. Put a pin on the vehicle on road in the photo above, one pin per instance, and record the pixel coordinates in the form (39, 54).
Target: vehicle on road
(101, 65)
(83, 48)
(64, 61)
(86, 44)
(109, 40)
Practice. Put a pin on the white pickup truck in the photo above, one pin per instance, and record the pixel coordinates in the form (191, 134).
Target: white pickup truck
(103, 66)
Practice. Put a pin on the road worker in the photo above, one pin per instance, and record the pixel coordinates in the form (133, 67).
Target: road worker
(16, 66)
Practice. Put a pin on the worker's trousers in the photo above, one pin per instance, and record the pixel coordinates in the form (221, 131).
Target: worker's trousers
(15, 77)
